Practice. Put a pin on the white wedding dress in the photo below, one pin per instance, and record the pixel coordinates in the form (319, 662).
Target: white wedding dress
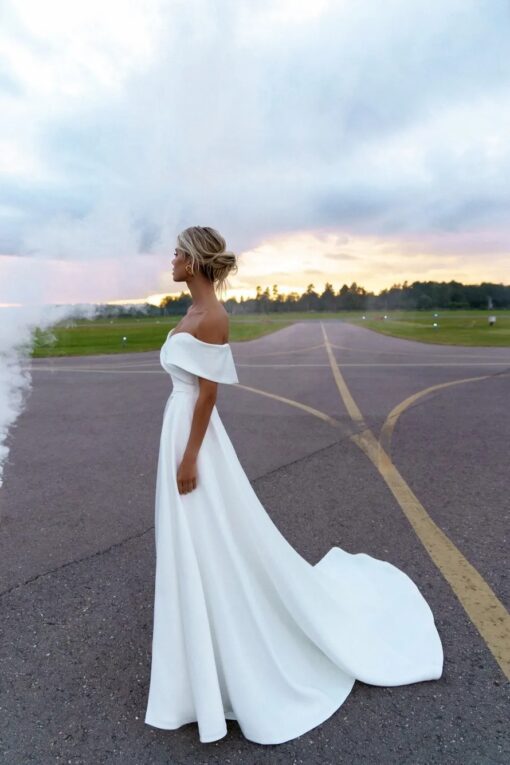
(244, 627)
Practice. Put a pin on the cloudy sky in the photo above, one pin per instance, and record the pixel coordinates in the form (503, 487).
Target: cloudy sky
(340, 141)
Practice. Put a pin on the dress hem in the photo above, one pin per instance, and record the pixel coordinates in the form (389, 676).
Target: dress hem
(324, 715)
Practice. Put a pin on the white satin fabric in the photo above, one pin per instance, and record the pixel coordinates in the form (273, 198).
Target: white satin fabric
(244, 627)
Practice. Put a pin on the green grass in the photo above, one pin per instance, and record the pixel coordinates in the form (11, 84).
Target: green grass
(469, 328)
(105, 336)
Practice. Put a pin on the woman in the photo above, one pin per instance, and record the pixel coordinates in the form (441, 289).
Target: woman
(244, 627)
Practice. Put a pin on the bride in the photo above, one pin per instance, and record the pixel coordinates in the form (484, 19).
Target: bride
(244, 627)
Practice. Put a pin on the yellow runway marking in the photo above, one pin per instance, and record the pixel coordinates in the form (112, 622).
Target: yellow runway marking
(291, 402)
(485, 610)
(391, 420)
(481, 604)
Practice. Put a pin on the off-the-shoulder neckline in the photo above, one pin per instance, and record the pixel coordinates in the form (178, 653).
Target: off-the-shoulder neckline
(214, 345)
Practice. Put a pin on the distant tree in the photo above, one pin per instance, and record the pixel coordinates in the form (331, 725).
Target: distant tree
(328, 298)
(426, 295)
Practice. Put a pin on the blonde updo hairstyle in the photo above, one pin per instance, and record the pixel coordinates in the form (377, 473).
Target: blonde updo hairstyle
(207, 251)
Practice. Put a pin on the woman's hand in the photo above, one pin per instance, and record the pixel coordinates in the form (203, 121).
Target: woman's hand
(187, 475)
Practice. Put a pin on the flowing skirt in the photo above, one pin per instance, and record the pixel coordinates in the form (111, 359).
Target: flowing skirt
(244, 627)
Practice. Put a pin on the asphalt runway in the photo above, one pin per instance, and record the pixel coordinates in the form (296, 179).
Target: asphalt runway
(391, 447)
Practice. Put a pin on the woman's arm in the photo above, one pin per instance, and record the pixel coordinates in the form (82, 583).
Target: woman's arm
(211, 332)
(204, 405)
(187, 472)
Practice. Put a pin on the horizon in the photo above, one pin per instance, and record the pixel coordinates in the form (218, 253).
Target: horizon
(252, 295)
(390, 163)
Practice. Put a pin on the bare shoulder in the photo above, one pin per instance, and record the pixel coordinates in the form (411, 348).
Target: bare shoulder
(214, 327)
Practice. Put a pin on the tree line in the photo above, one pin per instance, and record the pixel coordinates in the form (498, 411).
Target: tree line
(418, 296)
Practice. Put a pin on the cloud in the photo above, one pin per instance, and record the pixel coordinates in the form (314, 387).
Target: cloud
(373, 120)
(340, 256)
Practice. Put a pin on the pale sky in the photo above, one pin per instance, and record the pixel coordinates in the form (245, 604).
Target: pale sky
(340, 141)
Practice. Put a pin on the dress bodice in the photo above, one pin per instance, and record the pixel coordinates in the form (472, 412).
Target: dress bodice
(186, 358)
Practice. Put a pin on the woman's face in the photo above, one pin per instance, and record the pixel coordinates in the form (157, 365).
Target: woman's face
(179, 261)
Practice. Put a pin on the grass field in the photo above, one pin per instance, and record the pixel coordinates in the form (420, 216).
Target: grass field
(453, 327)
(98, 336)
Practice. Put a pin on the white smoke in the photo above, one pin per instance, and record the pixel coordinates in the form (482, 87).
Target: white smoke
(18, 325)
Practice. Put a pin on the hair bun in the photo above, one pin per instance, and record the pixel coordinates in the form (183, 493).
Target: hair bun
(207, 249)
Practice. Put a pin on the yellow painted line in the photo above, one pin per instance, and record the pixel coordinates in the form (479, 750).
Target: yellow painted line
(291, 402)
(481, 604)
(386, 433)
(345, 393)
